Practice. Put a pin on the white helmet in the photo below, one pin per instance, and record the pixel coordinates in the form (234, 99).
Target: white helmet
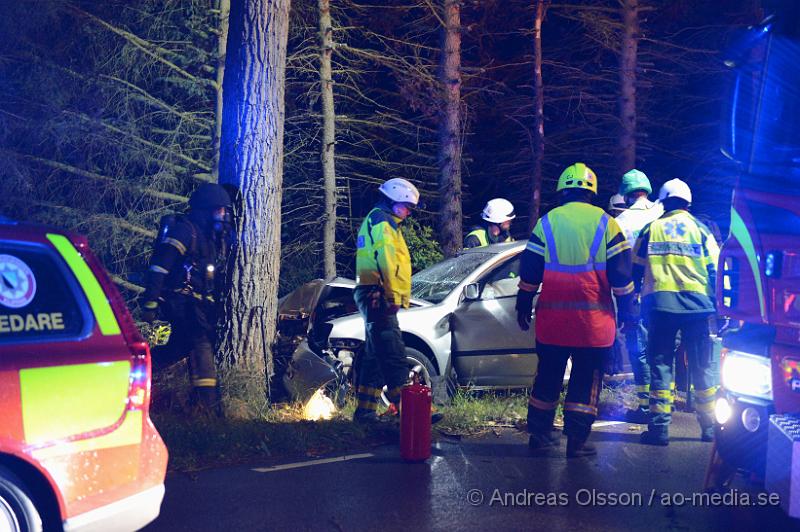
(498, 210)
(675, 188)
(400, 191)
(617, 201)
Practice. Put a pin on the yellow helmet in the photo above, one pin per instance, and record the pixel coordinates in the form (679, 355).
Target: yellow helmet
(578, 176)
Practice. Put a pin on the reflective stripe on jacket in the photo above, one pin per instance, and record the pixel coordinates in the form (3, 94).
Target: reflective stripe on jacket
(584, 253)
(676, 256)
(382, 257)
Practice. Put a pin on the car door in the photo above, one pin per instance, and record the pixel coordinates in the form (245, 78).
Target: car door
(489, 348)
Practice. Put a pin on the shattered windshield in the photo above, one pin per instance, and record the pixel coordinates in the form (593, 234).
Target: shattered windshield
(434, 283)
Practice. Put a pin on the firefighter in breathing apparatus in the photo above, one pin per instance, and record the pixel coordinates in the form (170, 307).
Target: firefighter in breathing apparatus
(674, 268)
(579, 256)
(182, 285)
(497, 214)
(383, 279)
(640, 211)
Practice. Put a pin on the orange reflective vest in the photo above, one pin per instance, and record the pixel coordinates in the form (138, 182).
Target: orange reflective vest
(575, 307)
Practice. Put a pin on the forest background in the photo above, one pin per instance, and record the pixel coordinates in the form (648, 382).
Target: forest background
(111, 113)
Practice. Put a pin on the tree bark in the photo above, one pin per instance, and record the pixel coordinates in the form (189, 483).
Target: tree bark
(328, 138)
(627, 81)
(450, 215)
(538, 117)
(251, 159)
(223, 14)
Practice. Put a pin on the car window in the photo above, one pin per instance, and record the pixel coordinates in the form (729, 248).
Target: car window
(502, 281)
(39, 300)
(436, 282)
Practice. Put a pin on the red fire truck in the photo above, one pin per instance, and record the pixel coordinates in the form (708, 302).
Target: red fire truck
(758, 408)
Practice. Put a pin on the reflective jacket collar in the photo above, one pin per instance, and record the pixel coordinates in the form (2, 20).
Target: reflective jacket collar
(642, 204)
(386, 207)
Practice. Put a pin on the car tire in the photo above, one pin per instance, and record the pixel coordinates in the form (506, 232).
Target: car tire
(17, 510)
(415, 358)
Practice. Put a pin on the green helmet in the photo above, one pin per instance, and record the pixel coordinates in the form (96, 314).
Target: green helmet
(577, 175)
(634, 180)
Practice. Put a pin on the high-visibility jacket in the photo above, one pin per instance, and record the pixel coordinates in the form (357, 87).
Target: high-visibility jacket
(479, 237)
(637, 216)
(579, 255)
(675, 262)
(382, 256)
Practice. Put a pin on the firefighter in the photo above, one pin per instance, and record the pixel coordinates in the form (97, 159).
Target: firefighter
(640, 211)
(182, 285)
(675, 269)
(497, 214)
(580, 256)
(383, 279)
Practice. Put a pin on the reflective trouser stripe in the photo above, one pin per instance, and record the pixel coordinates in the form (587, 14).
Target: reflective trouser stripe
(643, 394)
(705, 406)
(367, 398)
(542, 405)
(580, 407)
(706, 395)
(201, 383)
(660, 408)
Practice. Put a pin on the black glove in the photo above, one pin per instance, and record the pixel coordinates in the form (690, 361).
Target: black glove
(524, 309)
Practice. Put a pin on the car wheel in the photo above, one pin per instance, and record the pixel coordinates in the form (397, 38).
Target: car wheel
(416, 359)
(17, 511)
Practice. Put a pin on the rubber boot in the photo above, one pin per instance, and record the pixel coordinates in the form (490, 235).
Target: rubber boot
(541, 443)
(639, 416)
(650, 437)
(579, 447)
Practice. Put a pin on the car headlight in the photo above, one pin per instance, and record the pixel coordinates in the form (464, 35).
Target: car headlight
(747, 374)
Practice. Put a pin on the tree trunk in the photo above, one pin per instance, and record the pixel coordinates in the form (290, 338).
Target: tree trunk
(450, 132)
(627, 81)
(328, 138)
(538, 116)
(251, 159)
(223, 14)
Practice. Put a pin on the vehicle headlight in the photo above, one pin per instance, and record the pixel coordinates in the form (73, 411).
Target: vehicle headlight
(722, 411)
(747, 374)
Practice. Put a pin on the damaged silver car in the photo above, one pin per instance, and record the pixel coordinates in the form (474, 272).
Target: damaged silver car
(461, 328)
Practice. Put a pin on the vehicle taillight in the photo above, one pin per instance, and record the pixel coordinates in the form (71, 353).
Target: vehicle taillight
(730, 282)
(139, 387)
(139, 382)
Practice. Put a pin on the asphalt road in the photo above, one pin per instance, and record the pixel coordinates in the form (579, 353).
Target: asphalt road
(490, 483)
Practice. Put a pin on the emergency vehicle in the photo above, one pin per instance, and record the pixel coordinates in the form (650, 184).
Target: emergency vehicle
(78, 450)
(758, 285)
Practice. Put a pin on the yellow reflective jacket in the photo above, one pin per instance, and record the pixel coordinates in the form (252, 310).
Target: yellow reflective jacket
(675, 261)
(479, 237)
(382, 257)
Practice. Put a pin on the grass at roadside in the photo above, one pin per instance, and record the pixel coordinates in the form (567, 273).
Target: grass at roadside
(198, 442)
(254, 430)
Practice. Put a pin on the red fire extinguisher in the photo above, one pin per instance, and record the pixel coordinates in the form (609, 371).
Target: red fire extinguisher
(415, 422)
